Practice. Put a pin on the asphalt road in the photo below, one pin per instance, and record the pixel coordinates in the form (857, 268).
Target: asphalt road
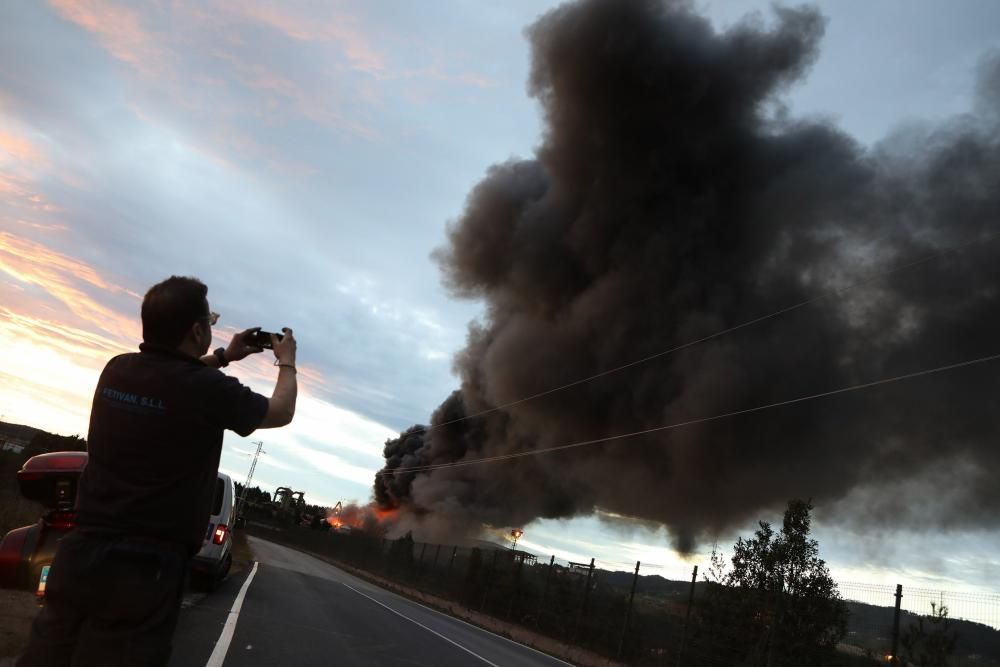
(299, 610)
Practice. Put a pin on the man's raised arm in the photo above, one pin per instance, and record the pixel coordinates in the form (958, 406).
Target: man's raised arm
(281, 407)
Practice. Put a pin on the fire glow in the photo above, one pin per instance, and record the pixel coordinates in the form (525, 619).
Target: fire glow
(370, 518)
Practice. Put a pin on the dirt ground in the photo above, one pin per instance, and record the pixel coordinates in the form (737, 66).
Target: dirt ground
(17, 610)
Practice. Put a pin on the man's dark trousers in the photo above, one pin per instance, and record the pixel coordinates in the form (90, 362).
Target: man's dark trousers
(109, 601)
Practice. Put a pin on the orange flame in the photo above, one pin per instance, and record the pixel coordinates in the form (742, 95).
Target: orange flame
(386, 514)
(362, 517)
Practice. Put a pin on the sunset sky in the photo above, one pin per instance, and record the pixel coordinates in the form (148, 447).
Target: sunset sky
(303, 160)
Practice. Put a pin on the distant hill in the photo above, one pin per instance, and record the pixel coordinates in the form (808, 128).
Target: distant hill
(869, 625)
(651, 584)
(37, 440)
(15, 437)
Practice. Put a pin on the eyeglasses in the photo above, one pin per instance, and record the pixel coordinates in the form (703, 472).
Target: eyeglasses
(212, 318)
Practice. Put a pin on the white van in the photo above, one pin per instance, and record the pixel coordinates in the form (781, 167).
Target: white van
(211, 565)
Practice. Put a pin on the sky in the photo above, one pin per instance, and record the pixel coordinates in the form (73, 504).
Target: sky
(303, 159)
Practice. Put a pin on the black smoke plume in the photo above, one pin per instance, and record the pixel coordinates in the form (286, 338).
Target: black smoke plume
(673, 196)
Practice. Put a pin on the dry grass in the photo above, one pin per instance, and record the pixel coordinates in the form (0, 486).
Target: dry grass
(242, 557)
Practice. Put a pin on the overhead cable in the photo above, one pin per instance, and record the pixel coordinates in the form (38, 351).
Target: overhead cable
(757, 320)
(690, 422)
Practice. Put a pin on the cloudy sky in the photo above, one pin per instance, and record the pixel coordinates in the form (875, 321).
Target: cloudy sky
(303, 160)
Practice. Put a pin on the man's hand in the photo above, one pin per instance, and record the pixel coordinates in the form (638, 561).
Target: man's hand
(281, 407)
(284, 350)
(238, 349)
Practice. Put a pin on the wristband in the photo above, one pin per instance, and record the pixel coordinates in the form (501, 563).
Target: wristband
(292, 366)
(220, 354)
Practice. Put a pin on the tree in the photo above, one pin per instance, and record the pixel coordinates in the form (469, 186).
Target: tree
(43, 442)
(929, 645)
(777, 604)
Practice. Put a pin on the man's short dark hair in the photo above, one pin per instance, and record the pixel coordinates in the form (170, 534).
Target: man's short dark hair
(171, 307)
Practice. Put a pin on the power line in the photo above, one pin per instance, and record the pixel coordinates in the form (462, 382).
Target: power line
(691, 422)
(757, 320)
(253, 467)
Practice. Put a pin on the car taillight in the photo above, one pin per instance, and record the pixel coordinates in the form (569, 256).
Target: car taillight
(61, 520)
(220, 534)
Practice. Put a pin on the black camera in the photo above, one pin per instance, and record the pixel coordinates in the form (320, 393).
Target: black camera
(261, 339)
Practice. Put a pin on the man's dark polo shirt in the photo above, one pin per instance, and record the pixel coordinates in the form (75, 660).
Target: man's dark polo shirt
(154, 445)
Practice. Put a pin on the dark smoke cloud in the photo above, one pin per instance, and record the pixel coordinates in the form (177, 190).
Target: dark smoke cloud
(673, 197)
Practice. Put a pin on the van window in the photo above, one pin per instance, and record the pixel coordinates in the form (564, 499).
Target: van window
(220, 492)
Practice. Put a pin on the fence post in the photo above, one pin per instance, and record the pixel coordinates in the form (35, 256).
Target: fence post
(515, 594)
(388, 559)
(453, 584)
(895, 625)
(586, 599)
(687, 617)
(420, 563)
(545, 592)
(437, 552)
(586, 591)
(628, 611)
(489, 579)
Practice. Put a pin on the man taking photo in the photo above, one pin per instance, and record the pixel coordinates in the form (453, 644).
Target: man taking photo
(114, 590)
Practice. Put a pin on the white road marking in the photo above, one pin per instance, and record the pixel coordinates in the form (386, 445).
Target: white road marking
(483, 630)
(222, 645)
(450, 641)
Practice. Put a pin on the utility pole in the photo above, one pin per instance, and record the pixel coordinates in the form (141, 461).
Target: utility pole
(253, 466)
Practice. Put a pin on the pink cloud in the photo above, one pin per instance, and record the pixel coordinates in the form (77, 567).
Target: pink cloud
(16, 192)
(341, 29)
(279, 92)
(119, 29)
(21, 161)
(14, 148)
(61, 276)
(208, 73)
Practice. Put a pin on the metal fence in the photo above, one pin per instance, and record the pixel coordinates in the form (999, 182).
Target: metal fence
(650, 620)
(884, 619)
